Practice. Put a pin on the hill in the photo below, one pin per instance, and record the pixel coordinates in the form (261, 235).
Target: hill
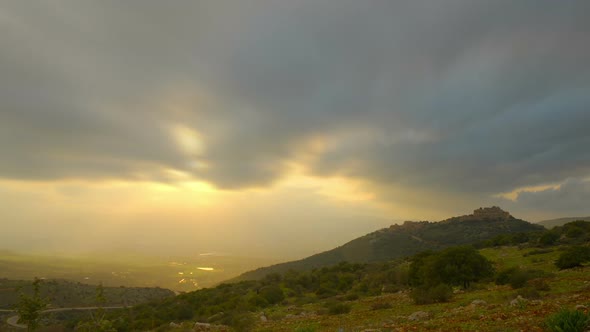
(560, 221)
(399, 241)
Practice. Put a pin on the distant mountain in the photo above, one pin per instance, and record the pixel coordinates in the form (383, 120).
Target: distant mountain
(399, 241)
(560, 221)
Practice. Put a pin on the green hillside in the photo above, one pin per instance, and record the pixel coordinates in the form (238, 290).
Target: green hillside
(412, 237)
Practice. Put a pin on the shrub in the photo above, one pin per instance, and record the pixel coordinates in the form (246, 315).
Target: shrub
(573, 257)
(428, 295)
(272, 294)
(529, 293)
(240, 321)
(568, 320)
(381, 305)
(548, 238)
(308, 328)
(538, 252)
(539, 284)
(516, 277)
(339, 309)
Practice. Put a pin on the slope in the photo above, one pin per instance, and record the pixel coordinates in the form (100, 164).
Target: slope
(399, 241)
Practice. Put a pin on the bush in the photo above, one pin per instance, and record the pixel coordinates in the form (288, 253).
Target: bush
(573, 257)
(548, 238)
(381, 305)
(516, 277)
(308, 328)
(273, 294)
(339, 309)
(240, 321)
(568, 320)
(539, 284)
(538, 252)
(529, 293)
(428, 295)
(351, 297)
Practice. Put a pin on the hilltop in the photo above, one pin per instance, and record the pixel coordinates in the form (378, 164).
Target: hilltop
(398, 241)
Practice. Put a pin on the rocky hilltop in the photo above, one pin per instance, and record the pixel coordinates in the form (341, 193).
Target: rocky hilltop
(486, 213)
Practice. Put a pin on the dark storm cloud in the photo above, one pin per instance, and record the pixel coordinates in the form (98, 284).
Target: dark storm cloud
(466, 96)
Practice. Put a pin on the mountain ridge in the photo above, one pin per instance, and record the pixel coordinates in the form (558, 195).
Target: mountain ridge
(398, 241)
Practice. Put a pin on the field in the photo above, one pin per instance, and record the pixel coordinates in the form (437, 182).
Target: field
(119, 269)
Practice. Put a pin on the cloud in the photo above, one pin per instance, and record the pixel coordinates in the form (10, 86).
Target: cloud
(462, 97)
(566, 199)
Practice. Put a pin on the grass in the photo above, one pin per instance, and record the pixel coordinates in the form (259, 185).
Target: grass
(566, 289)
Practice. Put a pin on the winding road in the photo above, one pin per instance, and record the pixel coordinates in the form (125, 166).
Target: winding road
(13, 320)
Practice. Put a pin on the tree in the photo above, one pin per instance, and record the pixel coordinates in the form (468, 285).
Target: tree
(30, 307)
(457, 266)
(462, 265)
(98, 323)
(273, 294)
(549, 238)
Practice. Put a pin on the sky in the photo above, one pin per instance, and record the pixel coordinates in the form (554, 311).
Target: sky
(284, 127)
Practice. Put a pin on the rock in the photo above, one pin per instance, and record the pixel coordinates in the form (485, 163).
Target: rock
(263, 318)
(476, 303)
(419, 315)
(174, 325)
(581, 307)
(201, 327)
(517, 301)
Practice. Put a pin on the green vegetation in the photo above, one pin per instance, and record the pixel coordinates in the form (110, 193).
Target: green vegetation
(568, 321)
(97, 323)
(30, 307)
(573, 257)
(61, 293)
(517, 277)
(338, 308)
(455, 266)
